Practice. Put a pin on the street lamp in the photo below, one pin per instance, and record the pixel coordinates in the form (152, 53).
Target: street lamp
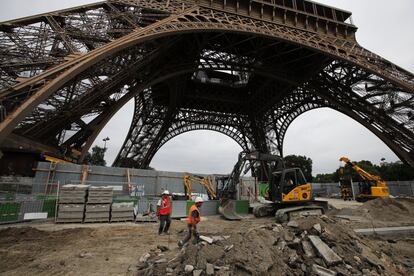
(105, 139)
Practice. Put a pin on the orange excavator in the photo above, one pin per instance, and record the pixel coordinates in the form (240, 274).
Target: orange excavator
(372, 186)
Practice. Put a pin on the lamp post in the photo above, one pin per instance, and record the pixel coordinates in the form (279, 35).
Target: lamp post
(105, 139)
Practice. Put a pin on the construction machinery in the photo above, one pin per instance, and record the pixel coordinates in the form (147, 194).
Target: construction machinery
(287, 195)
(203, 181)
(372, 185)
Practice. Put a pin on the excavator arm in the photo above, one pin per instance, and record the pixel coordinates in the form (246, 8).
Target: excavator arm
(379, 188)
(364, 174)
(203, 181)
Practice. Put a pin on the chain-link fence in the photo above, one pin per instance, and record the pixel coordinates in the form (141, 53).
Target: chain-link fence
(396, 188)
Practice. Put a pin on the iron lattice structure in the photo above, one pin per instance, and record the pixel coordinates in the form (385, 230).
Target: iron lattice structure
(244, 68)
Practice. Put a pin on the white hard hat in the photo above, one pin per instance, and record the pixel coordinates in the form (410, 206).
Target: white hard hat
(166, 192)
(198, 200)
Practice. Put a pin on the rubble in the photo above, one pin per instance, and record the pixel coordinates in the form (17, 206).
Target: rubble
(188, 268)
(207, 239)
(209, 269)
(329, 256)
(321, 271)
(313, 246)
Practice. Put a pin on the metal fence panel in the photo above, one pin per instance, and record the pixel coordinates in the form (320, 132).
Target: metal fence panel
(179, 209)
(30, 207)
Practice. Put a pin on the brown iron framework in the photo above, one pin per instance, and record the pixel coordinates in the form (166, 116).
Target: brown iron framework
(244, 68)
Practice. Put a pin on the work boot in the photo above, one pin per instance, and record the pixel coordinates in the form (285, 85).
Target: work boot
(180, 244)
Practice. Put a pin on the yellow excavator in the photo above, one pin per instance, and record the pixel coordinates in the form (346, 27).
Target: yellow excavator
(203, 181)
(287, 194)
(372, 187)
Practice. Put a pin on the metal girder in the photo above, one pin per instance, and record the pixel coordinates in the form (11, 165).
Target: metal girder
(243, 68)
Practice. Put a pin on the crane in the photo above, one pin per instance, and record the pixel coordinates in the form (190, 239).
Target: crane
(372, 187)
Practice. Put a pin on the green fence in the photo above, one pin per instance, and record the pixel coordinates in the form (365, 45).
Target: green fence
(9, 212)
(49, 206)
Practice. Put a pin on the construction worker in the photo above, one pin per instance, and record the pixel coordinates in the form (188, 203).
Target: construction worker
(164, 211)
(193, 219)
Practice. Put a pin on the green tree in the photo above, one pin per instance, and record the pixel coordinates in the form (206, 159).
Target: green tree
(302, 162)
(325, 178)
(396, 171)
(97, 157)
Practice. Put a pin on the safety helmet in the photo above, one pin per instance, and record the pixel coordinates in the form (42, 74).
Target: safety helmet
(199, 200)
(166, 192)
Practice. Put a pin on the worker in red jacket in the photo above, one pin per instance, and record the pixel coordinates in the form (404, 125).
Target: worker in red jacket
(164, 211)
(193, 219)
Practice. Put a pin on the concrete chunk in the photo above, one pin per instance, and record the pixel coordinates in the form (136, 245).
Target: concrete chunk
(209, 269)
(206, 239)
(293, 224)
(321, 271)
(188, 268)
(318, 228)
(307, 248)
(197, 272)
(329, 256)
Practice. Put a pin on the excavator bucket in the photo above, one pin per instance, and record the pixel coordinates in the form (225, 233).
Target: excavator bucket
(227, 209)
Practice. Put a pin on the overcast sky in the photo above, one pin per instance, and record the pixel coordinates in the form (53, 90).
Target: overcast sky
(385, 27)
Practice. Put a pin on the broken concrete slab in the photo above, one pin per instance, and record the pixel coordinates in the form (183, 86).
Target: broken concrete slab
(321, 271)
(387, 231)
(350, 218)
(293, 224)
(206, 239)
(188, 268)
(308, 249)
(329, 256)
(287, 236)
(197, 272)
(318, 228)
(209, 269)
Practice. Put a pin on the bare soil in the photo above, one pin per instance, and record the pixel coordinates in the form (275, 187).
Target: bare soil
(382, 212)
(250, 247)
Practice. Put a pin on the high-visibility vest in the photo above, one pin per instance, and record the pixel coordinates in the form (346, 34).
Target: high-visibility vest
(190, 219)
(165, 208)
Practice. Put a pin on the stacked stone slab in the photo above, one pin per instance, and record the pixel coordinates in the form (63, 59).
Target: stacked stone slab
(71, 201)
(98, 205)
(123, 211)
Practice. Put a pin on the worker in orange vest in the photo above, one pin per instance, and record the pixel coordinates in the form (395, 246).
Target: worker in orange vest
(164, 211)
(193, 219)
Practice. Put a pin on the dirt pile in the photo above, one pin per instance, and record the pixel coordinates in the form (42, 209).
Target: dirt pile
(308, 246)
(383, 212)
(401, 209)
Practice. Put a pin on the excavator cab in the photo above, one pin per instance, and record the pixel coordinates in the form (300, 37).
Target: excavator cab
(291, 185)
